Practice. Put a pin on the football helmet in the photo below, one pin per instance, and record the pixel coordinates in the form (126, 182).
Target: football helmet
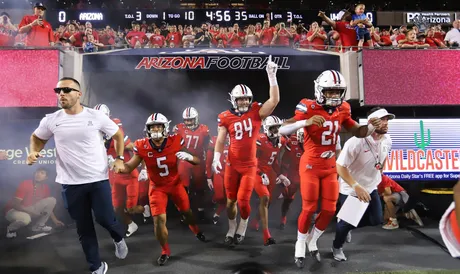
(191, 113)
(240, 91)
(269, 123)
(157, 119)
(104, 108)
(299, 134)
(330, 80)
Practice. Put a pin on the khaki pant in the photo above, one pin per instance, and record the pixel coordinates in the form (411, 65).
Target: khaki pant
(20, 219)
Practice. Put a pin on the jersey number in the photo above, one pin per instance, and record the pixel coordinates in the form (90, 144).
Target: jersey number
(189, 140)
(240, 128)
(162, 166)
(329, 136)
(273, 157)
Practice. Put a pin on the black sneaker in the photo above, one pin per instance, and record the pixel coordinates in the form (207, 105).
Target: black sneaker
(200, 236)
(215, 219)
(162, 259)
(270, 241)
(238, 239)
(228, 240)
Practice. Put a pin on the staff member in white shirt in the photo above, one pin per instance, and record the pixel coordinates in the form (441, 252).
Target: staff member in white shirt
(359, 166)
(82, 168)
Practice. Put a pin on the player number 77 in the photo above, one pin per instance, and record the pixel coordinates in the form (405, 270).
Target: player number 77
(329, 137)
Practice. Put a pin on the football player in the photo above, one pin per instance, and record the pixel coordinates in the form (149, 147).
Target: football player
(196, 137)
(242, 123)
(268, 147)
(125, 188)
(322, 120)
(216, 181)
(160, 152)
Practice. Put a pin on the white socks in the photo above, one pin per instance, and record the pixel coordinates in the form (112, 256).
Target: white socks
(313, 239)
(300, 245)
(231, 228)
(242, 227)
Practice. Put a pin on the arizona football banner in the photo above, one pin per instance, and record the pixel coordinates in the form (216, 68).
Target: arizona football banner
(423, 149)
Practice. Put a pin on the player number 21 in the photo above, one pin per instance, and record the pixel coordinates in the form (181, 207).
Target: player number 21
(162, 166)
(329, 136)
(241, 127)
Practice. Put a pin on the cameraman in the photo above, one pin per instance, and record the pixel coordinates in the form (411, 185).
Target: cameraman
(203, 37)
(39, 32)
(7, 31)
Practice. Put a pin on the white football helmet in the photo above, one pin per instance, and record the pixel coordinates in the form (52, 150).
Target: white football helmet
(191, 113)
(270, 122)
(157, 119)
(240, 91)
(104, 108)
(299, 134)
(330, 80)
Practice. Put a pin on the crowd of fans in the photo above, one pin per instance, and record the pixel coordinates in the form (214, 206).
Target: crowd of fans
(352, 30)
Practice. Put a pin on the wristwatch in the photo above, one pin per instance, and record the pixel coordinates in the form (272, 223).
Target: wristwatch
(120, 157)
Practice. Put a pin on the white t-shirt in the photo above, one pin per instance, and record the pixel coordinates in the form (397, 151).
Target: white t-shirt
(453, 35)
(81, 156)
(359, 156)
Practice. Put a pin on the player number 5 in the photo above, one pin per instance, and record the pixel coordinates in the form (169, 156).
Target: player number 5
(240, 128)
(162, 166)
(329, 136)
(272, 157)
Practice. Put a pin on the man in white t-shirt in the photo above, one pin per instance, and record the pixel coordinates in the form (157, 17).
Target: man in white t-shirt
(82, 167)
(359, 166)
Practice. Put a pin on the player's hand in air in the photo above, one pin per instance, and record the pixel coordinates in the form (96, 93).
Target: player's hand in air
(316, 120)
(271, 68)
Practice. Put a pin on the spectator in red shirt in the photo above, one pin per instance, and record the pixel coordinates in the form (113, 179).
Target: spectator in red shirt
(395, 198)
(282, 36)
(412, 42)
(346, 32)
(432, 40)
(88, 25)
(136, 38)
(157, 40)
(7, 31)
(385, 39)
(174, 37)
(39, 32)
(266, 34)
(32, 202)
(236, 37)
(316, 37)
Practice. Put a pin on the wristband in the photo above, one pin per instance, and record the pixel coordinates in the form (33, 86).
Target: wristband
(370, 129)
(273, 81)
(354, 186)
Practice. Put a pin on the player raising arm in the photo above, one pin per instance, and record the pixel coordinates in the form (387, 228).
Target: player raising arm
(160, 152)
(242, 123)
(322, 120)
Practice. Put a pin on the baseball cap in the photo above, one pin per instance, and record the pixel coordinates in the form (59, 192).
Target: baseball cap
(380, 113)
(39, 5)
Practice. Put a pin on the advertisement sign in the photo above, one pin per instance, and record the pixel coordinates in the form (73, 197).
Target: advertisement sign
(28, 78)
(409, 77)
(209, 59)
(423, 20)
(371, 15)
(423, 149)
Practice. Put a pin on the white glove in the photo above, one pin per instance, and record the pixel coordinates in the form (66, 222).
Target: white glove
(111, 161)
(283, 180)
(265, 180)
(216, 165)
(182, 155)
(210, 185)
(271, 69)
(143, 176)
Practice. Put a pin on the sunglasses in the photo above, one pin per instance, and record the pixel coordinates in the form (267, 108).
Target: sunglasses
(65, 90)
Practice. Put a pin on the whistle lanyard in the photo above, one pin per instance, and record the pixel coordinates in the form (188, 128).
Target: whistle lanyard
(375, 154)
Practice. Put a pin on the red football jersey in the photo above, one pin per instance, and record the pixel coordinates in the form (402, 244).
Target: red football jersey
(243, 130)
(210, 156)
(320, 142)
(161, 162)
(110, 145)
(291, 158)
(267, 153)
(388, 182)
(196, 141)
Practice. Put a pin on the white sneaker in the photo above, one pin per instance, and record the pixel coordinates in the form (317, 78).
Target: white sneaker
(338, 254)
(102, 269)
(43, 228)
(348, 240)
(11, 234)
(121, 249)
(392, 224)
(132, 227)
